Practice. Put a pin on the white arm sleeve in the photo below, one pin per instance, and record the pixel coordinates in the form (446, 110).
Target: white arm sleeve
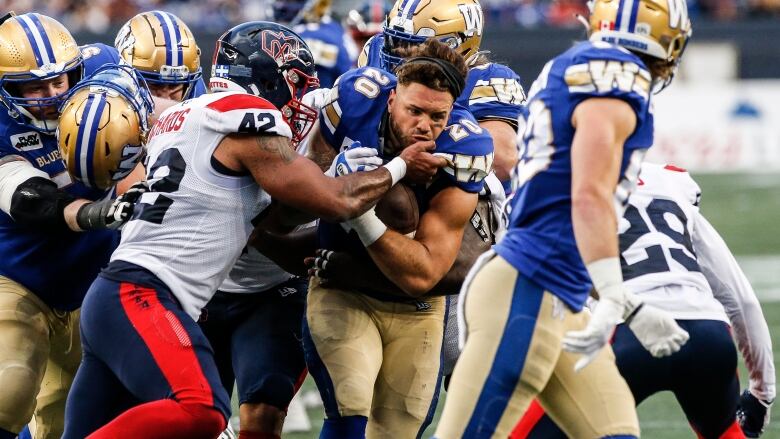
(14, 170)
(732, 289)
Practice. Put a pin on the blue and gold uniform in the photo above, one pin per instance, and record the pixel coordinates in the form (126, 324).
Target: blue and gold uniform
(375, 358)
(492, 92)
(519, 301)
(44, 272)
(334, 51)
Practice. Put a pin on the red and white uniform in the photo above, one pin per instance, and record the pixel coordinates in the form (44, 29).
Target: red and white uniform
(207, 221)
(703, 284)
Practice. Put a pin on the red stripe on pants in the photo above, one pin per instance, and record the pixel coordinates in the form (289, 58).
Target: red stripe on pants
(528, 422)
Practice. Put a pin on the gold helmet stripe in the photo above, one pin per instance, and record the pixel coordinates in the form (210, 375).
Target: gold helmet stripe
(85, 142)
(173, 52)
(39, 40)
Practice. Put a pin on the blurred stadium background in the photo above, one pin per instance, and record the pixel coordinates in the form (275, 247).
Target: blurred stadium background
(721, 118)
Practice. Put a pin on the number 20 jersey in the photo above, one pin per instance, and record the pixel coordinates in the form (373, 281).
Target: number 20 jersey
(190, 228)
(540, 240)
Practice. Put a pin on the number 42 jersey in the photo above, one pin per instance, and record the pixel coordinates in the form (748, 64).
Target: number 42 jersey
(191, 226)
(540, 240)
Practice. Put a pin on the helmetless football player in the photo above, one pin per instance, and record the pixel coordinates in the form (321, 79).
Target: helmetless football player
(146, 362)
(161, 47)
(493, 93)
(46, 264)
(588, 127)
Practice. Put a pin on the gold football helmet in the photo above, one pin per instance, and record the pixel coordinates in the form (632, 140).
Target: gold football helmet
(103, 126)
(34, 47)
(658, 28)
(456, 23)
(162, 48)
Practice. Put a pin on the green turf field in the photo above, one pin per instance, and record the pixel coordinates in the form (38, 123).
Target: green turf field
(745, 209)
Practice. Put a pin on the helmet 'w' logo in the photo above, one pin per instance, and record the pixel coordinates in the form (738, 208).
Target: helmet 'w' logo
(472, 15)
(280, 47)
(678, 13)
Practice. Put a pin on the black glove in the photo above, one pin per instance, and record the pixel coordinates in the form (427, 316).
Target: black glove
(110, 214)
(752, 414)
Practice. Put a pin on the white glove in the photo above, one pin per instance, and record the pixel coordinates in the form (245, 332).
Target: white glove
(353, 159)
(654, 328)
(608, 281)
(590, 340)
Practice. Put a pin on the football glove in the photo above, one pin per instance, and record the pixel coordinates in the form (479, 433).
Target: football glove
(608, 282)
(753, 414)
(353, 159)
(658, 332)
(110, 214)
(590, 340)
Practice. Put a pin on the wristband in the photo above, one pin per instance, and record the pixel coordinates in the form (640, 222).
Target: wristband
(397, 168)
(607, 279)
(368, 226)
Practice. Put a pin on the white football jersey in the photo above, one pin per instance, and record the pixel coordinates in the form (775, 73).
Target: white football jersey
(657, 253)
(191, 226)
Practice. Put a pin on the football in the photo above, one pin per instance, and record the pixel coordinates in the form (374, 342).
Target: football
(398, 209)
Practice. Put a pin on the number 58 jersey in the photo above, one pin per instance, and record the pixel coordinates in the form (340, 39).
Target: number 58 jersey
(191, 226)
(540, 240)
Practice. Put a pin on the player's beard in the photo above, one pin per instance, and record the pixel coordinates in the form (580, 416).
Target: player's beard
(398, 140)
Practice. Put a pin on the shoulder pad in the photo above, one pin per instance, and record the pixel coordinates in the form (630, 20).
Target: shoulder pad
(97, 55)
(468, 149)
(493, 91)
(244, 113)
(602, 69)
(364, 92)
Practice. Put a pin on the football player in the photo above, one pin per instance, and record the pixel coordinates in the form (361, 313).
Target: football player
(493, 92)
(214, 162)
(375, 356)
(587, 129)
(675, 260)
(46, 263)
(367, 20)
(161, 47)
(333, 49)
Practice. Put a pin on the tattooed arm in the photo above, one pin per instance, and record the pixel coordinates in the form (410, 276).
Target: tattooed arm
(297, 181)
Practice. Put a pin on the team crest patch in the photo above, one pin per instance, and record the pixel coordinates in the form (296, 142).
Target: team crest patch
(280, 47)
(28, 141)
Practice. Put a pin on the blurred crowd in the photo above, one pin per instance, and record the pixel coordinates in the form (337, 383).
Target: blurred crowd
(216, 15)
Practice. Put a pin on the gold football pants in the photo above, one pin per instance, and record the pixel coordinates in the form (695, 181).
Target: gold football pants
(512, 354)
(39, 354)
(375, 358)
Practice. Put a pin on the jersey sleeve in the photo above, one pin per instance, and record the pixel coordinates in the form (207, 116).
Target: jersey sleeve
(606, 71)
(732, 289)
(240, 113)
(97, 55)
(364, 93)
(493, 92)
(468, 149)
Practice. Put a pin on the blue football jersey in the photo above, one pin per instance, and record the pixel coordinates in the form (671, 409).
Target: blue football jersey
(364, 92)
(540, 241)
(57, 265)
(334, 51)
(492, 91)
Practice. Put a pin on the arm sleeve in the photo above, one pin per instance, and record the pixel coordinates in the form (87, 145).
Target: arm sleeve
(732, 289)
(14, 170)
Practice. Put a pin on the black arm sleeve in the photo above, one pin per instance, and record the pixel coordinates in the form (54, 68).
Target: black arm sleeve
(39, 203)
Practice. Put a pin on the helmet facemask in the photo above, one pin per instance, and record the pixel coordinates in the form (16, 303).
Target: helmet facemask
(299, 116)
